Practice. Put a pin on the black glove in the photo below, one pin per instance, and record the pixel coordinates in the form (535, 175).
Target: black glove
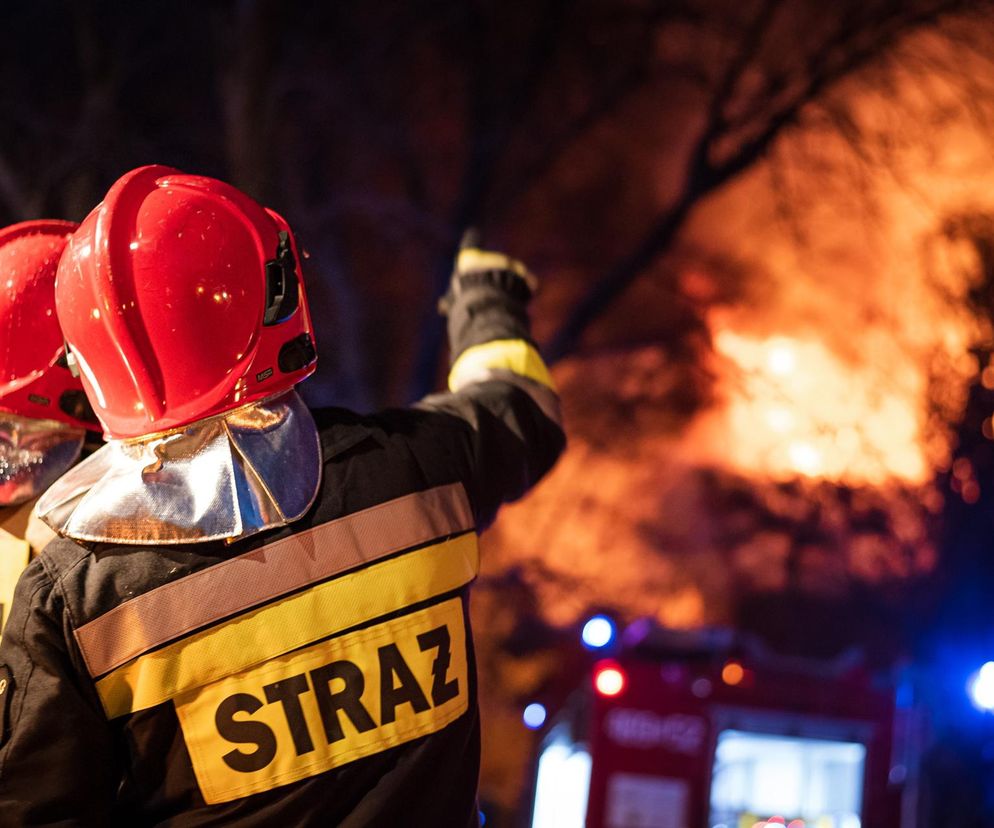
(475, 266)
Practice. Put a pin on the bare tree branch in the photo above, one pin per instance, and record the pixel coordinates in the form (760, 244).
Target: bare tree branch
(842, 54)
(605, 102)
(491, 126)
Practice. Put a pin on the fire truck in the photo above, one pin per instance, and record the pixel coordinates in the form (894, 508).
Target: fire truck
(712, 730)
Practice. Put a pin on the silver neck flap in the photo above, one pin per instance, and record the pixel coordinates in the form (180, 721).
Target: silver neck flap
(221, 478)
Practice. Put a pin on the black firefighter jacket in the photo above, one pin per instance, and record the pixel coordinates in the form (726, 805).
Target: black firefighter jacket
(318, 674)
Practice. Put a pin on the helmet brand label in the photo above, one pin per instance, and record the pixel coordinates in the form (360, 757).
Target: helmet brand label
(329, 704)
(37, 399)
(264, 375)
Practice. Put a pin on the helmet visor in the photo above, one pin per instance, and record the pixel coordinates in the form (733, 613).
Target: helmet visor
(34, 454)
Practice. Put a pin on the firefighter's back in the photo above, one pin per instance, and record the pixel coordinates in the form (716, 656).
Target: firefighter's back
(257, 615)
(319, 674)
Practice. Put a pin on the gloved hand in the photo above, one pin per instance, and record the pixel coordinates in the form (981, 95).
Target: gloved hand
(475, 266)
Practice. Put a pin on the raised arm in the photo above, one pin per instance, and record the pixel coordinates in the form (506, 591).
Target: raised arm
(498, 383)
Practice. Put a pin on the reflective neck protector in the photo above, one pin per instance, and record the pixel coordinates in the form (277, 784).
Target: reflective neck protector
(222, 478)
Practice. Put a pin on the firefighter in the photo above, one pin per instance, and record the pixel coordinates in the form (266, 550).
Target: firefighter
(256, 615)
(44, 415)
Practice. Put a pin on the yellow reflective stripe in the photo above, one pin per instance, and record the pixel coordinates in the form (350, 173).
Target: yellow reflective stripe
(290, 564)
(285, 625)
(513, 355)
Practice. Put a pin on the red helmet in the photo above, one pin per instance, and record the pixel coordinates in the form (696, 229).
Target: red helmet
(181, 297)
(35, 380)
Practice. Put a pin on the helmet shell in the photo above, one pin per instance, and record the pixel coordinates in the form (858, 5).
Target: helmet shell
(34, 379)
(162, 294)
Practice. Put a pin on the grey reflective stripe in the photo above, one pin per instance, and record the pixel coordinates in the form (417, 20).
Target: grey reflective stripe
(178, 608)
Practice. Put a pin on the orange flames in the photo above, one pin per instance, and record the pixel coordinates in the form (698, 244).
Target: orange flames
(835, 299)
(793, 408)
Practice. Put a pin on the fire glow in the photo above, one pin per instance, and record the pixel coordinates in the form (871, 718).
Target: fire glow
(793, 408)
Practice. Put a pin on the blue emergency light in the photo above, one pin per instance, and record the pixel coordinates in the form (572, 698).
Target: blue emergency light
(534, 716)
(598, 632)
(981, 687)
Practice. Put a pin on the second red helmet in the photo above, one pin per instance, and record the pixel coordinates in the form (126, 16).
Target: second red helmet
(180, 297)
(35, 381)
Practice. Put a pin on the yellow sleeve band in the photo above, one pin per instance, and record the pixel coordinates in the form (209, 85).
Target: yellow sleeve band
(514, 355)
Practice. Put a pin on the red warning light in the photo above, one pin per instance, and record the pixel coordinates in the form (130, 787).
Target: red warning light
(609, 678)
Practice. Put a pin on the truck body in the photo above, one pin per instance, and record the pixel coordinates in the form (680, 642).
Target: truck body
(685, 739)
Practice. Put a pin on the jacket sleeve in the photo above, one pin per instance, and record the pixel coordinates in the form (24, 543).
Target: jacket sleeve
(500, 391)
(58, 764)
